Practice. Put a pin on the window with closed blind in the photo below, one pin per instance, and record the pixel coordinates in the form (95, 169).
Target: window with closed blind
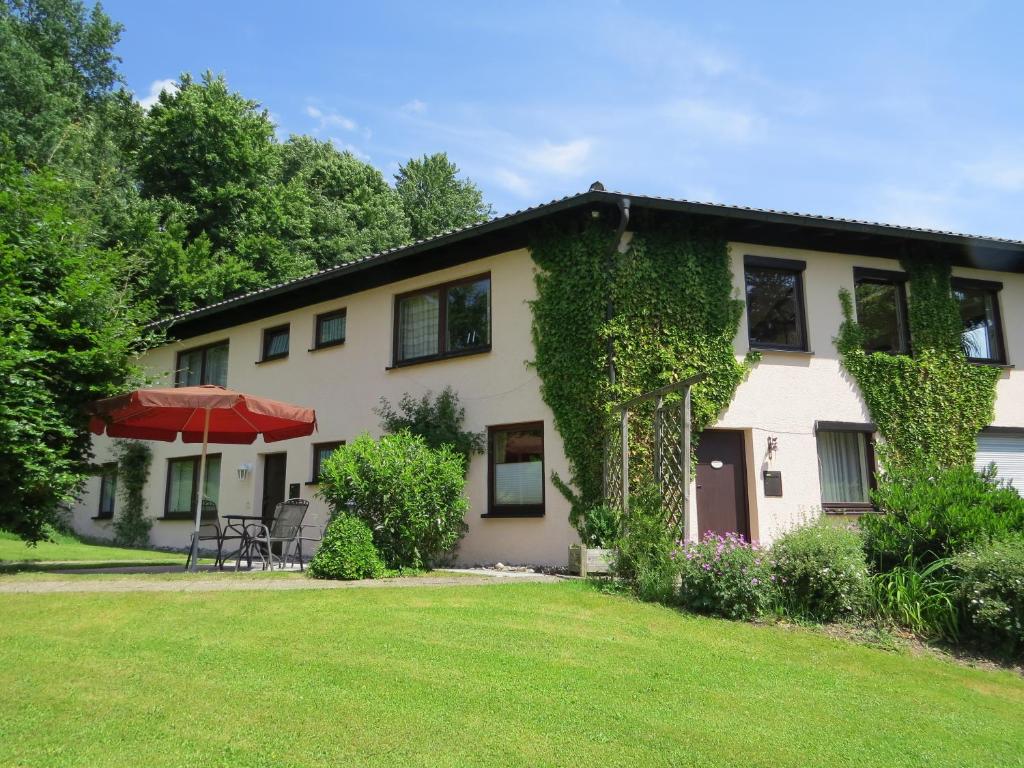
(515, 458)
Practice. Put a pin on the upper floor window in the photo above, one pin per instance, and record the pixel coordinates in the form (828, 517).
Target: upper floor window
(982, 335)
(775, 303)
(203, 365)
(443, 321)
(846, 465)
(881, 299)
(330, 329)
(275, 343)
(108, 490)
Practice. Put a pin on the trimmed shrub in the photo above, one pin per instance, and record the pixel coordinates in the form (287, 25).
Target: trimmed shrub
(992, 592)
(922, 598)
(820, 572)
(410, 495)
(643, 555)
(724, 576)
(929, 515)
(347, 552)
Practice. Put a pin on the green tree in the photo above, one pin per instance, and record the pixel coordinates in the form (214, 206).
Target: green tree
(69, 329)
(435, 199)
(213, 152)
(352, 210)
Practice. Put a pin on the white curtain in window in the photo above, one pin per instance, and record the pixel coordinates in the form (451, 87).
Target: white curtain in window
(418, 321)
(278, 345)
(217, 365)
(332, 329)
(842, 457)
(518, 483)
(212, 490)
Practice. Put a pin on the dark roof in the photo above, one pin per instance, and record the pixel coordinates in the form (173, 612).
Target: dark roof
(514, 230)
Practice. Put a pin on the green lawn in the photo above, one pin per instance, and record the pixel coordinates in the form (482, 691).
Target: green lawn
(65, 549)
(509, 674)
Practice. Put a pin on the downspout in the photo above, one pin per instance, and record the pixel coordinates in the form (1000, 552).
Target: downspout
(609, 310)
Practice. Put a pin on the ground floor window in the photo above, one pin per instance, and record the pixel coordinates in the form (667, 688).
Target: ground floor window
(321, 452)
(182, 479)
(108, 490)
(846, 467)
(516, 470)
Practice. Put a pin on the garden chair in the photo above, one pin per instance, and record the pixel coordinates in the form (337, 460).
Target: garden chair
(317, 534)
(283, 532)
(211, 529)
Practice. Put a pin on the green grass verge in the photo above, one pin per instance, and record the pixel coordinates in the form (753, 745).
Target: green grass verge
(510, 675)
(65, 549)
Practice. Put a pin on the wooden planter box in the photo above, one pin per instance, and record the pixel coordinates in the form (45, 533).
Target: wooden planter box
(587, 560)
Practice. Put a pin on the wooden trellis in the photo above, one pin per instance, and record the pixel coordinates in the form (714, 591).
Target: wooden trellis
(661, 453)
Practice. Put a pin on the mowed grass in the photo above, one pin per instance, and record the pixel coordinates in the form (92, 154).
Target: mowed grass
(496, 675)
(66, 549)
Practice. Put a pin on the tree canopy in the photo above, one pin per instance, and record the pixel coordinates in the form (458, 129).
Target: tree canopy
(435, 199)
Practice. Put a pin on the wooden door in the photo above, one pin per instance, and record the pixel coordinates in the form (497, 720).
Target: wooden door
(275, 467)
(722, 483)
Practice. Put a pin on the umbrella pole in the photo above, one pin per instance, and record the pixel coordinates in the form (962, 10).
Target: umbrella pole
(194, 558)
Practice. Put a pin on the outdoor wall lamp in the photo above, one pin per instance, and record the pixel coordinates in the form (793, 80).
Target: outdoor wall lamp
(773, 446)
(244, 470)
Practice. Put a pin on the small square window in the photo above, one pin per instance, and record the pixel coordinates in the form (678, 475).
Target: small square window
(322, 452)
(982, 336)
(330, 329)
(516, 470)
(275, 343)
(775, 303)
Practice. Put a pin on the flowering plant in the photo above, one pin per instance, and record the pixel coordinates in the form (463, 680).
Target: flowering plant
(724, 575)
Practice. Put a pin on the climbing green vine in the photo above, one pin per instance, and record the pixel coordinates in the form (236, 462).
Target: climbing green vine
(131, 527)
(674, 315)
(929, 406)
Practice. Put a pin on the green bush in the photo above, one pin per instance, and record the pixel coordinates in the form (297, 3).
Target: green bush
(922, 598)
(724, 576)
(929, 515)
(438, 420)
(347, 552)
(410, 495)
(643, 553)
(821, 572)
(600, 526)
(992, 592)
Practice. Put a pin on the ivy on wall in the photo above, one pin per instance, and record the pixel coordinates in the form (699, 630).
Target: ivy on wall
(131, 527)
(929, 406)
(674, 316)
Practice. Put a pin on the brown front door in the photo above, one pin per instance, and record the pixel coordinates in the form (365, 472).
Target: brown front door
(721, 483)
(274, 469)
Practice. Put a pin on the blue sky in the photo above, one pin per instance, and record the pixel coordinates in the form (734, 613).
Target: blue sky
(904, 112)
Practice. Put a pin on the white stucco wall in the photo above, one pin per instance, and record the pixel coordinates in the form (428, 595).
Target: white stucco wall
(785, 395)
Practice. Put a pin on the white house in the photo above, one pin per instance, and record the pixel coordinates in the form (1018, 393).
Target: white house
(796, 439)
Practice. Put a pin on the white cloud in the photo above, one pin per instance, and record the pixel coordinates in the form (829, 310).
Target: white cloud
(345, 146)
(1004, 173)
(415, 106)
(513, 182)
(913, 207)
(569, 158)
(712, 120)
(331, 119)
(155, 89)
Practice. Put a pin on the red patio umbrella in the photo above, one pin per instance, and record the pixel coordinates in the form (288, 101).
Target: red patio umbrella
(206, 414)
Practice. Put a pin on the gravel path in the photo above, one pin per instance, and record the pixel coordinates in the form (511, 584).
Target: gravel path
(226, 584)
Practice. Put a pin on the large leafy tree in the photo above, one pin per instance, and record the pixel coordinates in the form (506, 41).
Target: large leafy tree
(69, 330)
(352, 210)
(434, 197)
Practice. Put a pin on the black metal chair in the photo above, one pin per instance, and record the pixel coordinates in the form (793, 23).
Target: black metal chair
(283, 532)
(211, 529)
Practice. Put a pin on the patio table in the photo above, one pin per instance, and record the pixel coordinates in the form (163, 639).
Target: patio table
(243, 522)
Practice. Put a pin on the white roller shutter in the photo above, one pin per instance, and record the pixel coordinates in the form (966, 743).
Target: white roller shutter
(1007, 453)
